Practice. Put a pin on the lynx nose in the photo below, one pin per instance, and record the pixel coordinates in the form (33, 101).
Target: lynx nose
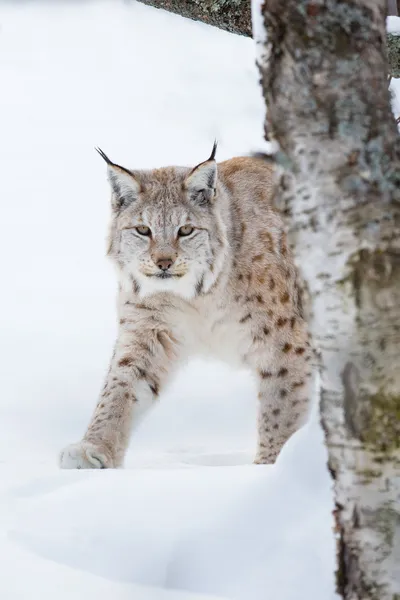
(164, 263)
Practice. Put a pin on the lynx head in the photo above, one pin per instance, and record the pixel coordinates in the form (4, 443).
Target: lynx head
(166, 233)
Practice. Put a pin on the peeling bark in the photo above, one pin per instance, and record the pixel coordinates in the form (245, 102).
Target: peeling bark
(324, 77)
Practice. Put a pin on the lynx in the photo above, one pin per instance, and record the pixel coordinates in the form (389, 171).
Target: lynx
(203, 269)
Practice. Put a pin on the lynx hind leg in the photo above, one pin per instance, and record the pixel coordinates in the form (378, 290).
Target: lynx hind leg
(285, 375)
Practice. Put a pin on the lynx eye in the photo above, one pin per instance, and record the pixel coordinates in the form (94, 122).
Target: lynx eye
(143, 230)
(185, 230)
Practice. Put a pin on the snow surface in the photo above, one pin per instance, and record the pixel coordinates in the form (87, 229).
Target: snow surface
(393, 24)
(190, 516)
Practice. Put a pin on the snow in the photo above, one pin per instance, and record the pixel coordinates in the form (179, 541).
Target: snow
(258, 29)
(190, 516)
(393, 24)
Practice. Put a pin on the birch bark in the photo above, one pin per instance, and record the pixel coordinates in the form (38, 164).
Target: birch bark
(324, 77)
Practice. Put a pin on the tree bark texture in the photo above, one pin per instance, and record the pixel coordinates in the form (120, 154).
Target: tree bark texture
(324, 77)
(393, 43)
(392, 8)
(231, 15)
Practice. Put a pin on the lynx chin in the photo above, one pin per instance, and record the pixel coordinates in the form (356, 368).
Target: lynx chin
(204, 269)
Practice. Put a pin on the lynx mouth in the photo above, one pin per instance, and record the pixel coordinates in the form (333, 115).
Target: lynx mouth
(166, 275)
(163, 274)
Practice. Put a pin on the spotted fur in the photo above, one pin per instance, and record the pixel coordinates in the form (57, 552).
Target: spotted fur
(231, 292)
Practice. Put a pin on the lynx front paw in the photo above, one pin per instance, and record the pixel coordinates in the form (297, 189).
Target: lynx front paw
(263, 458)
(84, 455)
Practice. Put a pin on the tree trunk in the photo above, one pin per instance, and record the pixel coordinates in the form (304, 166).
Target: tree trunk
(393, 42)
(392, 8)
(324, 80)
(231, 15)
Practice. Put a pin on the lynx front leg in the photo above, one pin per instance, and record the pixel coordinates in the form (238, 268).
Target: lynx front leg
(142, 361)
(284, 372)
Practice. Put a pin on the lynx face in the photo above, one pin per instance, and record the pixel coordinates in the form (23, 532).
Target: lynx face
(166, 232)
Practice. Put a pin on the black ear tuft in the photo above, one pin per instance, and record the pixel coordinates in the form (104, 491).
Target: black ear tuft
(214, 150)
(111, 164)
(104, 156)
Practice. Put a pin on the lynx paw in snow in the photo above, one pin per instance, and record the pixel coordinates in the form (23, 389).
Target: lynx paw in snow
(263, 459)
(84, 455)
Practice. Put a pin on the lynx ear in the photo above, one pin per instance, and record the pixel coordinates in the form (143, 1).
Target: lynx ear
(123, 183)
(202, 180)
